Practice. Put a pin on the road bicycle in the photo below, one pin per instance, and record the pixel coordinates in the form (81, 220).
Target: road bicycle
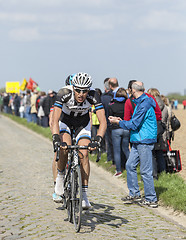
(72, 197)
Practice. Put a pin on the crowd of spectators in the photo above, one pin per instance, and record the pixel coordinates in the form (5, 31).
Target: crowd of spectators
(35, 107)
(118, 101)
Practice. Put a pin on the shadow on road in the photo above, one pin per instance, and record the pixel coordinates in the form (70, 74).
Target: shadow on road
(98, 214)
(101, 214)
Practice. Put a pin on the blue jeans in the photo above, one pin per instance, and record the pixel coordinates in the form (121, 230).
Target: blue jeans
(27, 114)
(109, 146)
(6, 109)
(34, 117)
(141, 153)
(45, 121)
(120, 140)
(94, 131)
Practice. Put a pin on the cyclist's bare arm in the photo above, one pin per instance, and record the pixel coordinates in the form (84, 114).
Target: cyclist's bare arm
(102, 121)
(50, 120)
(90, 116)
(55, 120)
(102, 128)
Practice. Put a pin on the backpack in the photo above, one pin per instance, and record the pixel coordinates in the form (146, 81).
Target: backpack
(175, 123)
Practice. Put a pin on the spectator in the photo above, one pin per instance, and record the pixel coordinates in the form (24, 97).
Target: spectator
(6, 105)
(143, 135)
(93, 118)
(120, 137)
(106, 98)
(11, 103)
(184, 104)
(48, 102)
(1, 102)
(170, 132)
(176, 104)
(33, 109)
(38, 100)
(16, 103)
(22, 106)
(129, 109)
(159, 164)
(27, 104)
(41, 113)
(172, 104)
(129, 104)
(113, 84)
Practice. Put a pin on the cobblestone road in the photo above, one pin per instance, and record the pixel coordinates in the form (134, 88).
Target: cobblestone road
(28, 212)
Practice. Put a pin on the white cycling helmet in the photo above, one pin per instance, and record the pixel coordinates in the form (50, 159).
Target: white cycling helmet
(82, 80)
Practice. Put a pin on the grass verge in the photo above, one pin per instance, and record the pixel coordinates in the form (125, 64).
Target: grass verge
(170, 188)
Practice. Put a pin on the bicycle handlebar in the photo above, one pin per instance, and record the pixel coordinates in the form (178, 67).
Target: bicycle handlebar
(76, 147)
(79, 147)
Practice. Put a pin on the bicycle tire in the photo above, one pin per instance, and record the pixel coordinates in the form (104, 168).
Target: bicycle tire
(69, 210)
(68, 196)
(76, 197)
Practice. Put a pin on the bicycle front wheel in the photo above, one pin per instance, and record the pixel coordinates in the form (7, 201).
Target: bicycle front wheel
(67, 195)
(77, 197)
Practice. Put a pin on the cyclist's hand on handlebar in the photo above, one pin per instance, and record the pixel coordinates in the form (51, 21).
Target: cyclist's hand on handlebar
(99, 140)
(92, 146)
(96, 143)
(56, 141)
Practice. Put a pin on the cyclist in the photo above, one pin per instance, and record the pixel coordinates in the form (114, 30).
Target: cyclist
(71, 110)
(57, 198)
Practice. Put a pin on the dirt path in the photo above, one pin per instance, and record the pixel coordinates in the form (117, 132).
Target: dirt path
(180, 139)
(28, 212)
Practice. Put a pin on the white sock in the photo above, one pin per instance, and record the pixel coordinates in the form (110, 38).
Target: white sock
(84, 191)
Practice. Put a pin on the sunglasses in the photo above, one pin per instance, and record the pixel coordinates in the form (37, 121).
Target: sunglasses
(78, 90)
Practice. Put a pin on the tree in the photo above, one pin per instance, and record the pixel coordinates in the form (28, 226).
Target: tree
(178, 96)
(2, 90)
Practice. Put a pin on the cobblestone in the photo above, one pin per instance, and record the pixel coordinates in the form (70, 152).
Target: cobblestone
(28, 212)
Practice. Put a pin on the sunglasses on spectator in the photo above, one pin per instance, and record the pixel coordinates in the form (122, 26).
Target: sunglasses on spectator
(78, 90)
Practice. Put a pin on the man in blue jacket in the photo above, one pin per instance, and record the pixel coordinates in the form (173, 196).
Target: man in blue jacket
(143, 135)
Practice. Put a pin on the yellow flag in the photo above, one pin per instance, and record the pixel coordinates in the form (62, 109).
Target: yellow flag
(23, 84)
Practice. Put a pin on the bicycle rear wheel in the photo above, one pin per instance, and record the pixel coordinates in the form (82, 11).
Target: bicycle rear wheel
(77, 197)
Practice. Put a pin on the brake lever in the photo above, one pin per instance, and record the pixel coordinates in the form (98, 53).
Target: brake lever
(98, 154)
(57, 156)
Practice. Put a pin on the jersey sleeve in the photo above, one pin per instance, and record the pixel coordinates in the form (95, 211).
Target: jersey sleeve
(95, 99)
(52, 108)
(63, 96)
